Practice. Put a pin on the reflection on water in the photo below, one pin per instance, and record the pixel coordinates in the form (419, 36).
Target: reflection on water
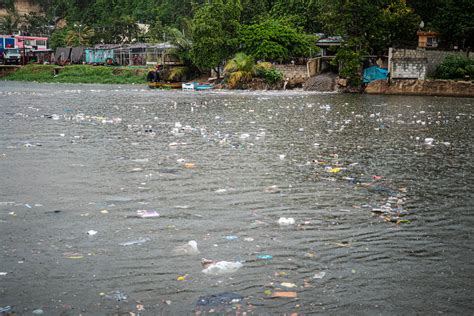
(380, 188)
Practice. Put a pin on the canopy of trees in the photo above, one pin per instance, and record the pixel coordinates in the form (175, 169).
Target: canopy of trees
(381, 22)
(275, 40)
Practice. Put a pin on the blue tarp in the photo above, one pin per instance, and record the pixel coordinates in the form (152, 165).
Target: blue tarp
(375, 73)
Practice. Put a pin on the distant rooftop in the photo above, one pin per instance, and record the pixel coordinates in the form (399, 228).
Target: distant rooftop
(159, 46)
(329, 40)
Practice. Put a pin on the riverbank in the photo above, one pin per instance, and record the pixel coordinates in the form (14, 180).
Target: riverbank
(449, 88)
(79, 74)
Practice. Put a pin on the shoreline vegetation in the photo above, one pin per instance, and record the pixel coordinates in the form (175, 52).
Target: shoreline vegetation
(248, 77)
(79, 74)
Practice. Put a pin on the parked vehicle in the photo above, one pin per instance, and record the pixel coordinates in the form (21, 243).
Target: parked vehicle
(11, 56)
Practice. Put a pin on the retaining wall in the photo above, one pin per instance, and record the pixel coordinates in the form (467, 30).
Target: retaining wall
(422, 87)
(296, 74)
(418, 63)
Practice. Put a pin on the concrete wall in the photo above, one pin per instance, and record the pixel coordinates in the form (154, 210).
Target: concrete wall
(418, 63)
(297, 74)
(407, 63)
(313, 66)
(422, 87)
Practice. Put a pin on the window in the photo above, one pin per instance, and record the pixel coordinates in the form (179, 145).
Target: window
(13, 51)
(41, 42)
(432, 42)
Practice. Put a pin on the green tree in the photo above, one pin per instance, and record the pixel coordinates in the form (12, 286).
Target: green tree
(79, 35)
(378, 24)
(455, 22)
(400, 25)
(183, 46)
(276, 40)
(58, 38)
(254, 10)
(301, 13)
(36, 24)
(350, 57)
(453, 19)
(214, 32)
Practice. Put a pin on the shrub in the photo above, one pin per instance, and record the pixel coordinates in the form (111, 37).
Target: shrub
(270, 74)
(456, 67)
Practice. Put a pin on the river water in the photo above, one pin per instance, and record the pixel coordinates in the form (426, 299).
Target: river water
(380, 189)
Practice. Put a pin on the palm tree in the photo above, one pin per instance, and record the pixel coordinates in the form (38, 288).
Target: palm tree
(240, 69)
(183, 45)
(79, 36)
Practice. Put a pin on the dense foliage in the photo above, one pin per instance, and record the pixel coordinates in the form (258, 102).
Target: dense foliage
(270, 74)
(381, 23)
(214, 31)
(79, 74)
(275, 40)
(456, 67)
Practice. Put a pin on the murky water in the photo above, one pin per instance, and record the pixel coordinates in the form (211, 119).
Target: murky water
(385, 212)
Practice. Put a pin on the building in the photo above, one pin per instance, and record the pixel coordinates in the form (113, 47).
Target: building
(427, 39)
(31, 43)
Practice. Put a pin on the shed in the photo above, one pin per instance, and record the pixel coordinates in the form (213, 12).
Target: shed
(62, 54)
(77, 55)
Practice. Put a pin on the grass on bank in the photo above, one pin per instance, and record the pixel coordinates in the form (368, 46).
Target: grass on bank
(79, 74)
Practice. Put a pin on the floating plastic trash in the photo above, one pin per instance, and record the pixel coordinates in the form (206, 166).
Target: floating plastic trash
(5, 309)
(285, 294)
(147, 214)
(231, 237)
(116, 296)
(283, 221)
(319, 275)
(91, 232)
(189, 248)
(335, 170)
(429, 141)
(139, 241)
(265, 257)
(182, 277)
(288, 284)
(225, 298)
(222, 267)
